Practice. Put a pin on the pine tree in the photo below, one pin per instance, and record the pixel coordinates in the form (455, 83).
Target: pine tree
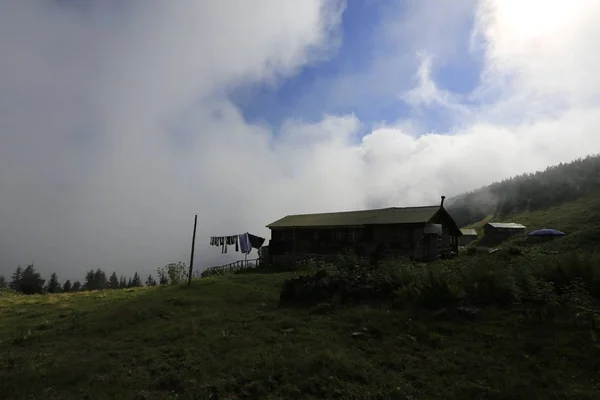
(15, 279)
(90, 280)
(150, 281)
(31, 282)
(113, 281)
(76, 286)
(122, 282)
(163, 277)
(100, 279)
(3, 284)
(136, 282)
(67, 286)
(129, 283)
(53, 285)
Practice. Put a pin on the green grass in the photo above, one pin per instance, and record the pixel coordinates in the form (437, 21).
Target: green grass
(227, 336)
(580, 220)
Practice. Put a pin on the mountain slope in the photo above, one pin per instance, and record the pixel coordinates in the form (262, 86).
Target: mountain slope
(579, 219)
(556, 185)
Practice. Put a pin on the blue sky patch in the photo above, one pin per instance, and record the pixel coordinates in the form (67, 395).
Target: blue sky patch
(366, 77)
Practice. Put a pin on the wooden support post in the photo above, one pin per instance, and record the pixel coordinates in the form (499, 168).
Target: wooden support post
(192, 255)
(294, 244)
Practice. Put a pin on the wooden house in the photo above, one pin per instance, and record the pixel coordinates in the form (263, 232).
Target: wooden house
(422, 233)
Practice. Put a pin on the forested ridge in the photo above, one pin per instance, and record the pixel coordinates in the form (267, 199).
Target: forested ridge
(529, 192)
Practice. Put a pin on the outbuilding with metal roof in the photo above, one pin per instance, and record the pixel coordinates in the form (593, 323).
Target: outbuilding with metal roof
(495, 232)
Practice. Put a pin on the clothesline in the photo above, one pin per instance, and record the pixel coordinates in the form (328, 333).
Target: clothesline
(243, 242)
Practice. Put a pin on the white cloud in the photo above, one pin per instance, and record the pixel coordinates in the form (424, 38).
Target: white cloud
(426, 93)
(92, 176)
(115, 128)
(541, 54)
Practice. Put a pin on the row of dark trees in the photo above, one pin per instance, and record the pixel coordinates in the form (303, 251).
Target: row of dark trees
(528, 192)
(29, 281)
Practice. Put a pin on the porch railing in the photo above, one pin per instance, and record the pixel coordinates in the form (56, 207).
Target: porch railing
(228, 268)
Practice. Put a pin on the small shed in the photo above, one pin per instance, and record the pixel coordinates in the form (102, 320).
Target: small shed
(468, 236)
(499, 231)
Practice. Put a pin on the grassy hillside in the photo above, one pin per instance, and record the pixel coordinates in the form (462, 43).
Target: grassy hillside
(579, 219)
(554, 186)
(226, 338)
(528, 326)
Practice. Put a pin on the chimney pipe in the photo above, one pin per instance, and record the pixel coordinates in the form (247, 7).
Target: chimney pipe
(442, 205)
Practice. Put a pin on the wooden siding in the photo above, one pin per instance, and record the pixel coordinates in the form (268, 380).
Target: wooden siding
(401, 240)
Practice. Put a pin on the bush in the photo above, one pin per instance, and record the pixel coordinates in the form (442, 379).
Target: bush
(562, 270)
(581, 304)
(6, 292)
(488, 282)
(312, 290)
(540, 284)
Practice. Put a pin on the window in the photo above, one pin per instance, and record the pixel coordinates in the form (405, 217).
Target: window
(354, 235)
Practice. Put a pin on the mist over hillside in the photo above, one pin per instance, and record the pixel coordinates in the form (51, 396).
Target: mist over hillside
(528, 192)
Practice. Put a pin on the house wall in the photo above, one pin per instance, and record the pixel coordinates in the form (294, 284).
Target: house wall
(392, 240)
(448, 241)
(466, 239)
(496, 235)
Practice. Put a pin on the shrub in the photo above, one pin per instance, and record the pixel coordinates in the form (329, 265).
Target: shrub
(515, 251)
(439, 288)
(488, 282)
(564, 269)
(311, 290)
(540, 283)
(6, 292)
(581, 304)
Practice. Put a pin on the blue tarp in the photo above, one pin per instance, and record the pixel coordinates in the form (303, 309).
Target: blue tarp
(546, 232)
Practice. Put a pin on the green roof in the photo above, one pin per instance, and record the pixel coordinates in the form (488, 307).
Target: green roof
(393, 215)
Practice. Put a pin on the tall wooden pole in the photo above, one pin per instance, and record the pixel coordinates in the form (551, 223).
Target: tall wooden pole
(192, 255)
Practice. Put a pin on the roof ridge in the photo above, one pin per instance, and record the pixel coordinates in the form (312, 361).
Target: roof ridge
(364, 210)
(388, 215)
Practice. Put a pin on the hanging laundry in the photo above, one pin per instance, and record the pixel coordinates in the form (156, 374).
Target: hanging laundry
(255, 241)
(243, 243)
(245, 246)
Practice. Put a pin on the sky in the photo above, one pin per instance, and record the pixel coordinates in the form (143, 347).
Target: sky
(121, 120)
